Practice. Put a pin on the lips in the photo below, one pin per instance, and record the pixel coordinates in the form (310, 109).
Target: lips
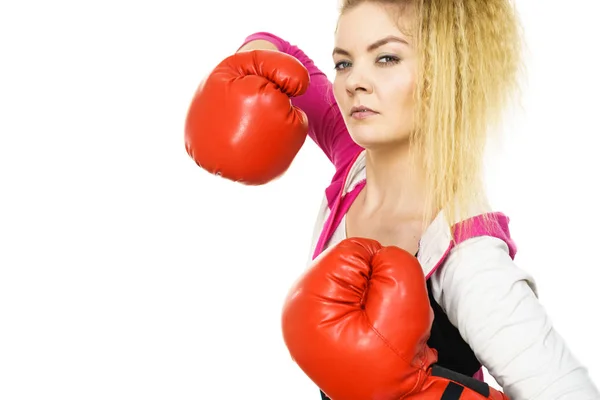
(360, 109)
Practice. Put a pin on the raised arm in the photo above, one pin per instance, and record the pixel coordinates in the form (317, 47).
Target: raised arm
(326, 125)
(493, 304)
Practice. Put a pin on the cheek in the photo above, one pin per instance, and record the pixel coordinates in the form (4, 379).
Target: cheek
(399, 91)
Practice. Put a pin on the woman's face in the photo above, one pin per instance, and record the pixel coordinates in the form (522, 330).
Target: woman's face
(375, 75)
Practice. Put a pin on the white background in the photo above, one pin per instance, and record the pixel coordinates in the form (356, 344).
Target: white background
(126, 272)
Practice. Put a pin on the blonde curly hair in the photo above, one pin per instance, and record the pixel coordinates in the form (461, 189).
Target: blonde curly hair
(469, 62)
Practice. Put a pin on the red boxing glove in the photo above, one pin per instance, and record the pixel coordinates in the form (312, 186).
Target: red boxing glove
(357, 323)
(241, 123)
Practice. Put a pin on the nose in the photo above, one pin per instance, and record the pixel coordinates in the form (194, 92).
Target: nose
(358, 80)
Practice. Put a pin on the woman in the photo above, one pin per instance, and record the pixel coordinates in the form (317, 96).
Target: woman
(418, 87)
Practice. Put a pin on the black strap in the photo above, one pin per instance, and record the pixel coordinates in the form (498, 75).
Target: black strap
(452, 392)
(469, 382)
(456, 384)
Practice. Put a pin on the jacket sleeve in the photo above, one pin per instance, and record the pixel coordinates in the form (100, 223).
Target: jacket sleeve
(494, 305)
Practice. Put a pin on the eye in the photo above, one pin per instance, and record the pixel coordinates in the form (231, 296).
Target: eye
(341, 65)
(388, 60)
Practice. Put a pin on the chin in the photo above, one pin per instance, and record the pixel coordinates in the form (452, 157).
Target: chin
(373, 138)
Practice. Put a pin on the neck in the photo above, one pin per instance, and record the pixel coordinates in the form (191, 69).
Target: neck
(395, 183)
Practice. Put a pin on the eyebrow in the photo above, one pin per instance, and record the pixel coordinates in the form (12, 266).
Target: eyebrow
(374, 45)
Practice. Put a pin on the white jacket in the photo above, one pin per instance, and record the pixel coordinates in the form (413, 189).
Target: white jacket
(491, 301)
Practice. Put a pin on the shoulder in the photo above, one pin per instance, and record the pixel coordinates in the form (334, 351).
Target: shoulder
(480, 220)
(482, 243)
(483, 259)
(486, 226)
(472, 238)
